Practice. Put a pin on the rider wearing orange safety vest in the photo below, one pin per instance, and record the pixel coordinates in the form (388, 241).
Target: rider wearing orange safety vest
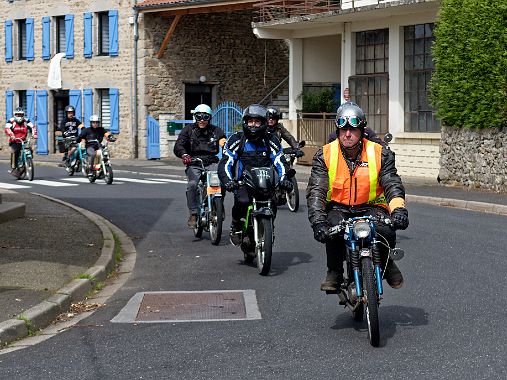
(353, 176)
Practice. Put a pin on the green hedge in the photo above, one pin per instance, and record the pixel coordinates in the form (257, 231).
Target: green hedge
(469, 86)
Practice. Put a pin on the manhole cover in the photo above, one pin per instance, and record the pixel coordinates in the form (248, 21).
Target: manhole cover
(223, 305)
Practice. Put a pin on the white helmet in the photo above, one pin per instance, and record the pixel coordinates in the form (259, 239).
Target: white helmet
(94, 118)
(19, 115)
(203, 108)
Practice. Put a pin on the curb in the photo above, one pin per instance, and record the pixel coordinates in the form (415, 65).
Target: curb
(462, 204)
(41, 315)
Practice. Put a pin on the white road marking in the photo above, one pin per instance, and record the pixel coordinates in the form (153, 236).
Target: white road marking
(165, 180)
(4, 185)
(51, 183)
(135, 180)
(85, 180)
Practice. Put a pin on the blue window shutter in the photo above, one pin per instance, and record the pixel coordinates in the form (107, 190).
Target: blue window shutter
(8, 40)
(30, 111)
(9, 97)
(88, 35)
(114, 97)
(46, 36)
(75, 101)
(113, 33)
(88, 105)
(29, 40)
(42, 122)
(69, 36)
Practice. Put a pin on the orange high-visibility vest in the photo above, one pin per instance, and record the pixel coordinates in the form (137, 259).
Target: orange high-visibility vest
(362, 186)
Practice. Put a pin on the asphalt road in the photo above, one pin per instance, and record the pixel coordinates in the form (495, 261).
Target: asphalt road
(447, 322)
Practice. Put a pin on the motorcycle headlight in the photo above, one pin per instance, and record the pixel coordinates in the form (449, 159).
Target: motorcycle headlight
(362, 230)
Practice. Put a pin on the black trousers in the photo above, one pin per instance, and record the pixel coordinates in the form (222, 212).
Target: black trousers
(335, 249)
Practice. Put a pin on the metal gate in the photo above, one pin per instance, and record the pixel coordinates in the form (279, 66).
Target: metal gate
(228, 116)
(153, 143)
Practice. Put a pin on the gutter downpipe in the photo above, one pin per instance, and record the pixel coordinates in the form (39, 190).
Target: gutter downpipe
(135, 126)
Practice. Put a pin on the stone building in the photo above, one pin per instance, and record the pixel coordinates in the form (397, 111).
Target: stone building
(127, 60)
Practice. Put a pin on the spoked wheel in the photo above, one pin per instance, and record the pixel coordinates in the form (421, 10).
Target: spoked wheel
(265, 248)
(371, 301)
(92, 177)
(29, 172)
(293, 197)
(198, 226)
(215, 220)
(108, 175)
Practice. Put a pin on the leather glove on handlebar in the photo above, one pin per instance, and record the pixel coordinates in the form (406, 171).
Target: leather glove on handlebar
(321, 232)
(231, 186)
(187, 159)
(399, 216)
(299, 154)
(286, 184)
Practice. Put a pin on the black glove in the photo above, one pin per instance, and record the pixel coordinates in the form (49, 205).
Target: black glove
(231, 186)
(299, 153)
(321, 232)
(399, 216)
(286, 184)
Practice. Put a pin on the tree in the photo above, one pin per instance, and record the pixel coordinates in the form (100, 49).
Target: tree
(469, 85)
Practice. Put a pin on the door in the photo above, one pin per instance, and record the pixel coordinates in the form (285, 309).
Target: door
(153, 143)
(61, 100)
(196, 94)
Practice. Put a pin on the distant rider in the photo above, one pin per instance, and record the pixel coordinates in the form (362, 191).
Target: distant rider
(253, 147)
(18, 127)
(69, 127)
(93, 136)
(351, 177)
(203, 140)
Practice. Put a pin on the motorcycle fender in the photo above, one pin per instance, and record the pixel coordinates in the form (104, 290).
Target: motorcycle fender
(264, 212)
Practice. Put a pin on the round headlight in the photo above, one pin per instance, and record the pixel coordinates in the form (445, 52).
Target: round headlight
(362, 230)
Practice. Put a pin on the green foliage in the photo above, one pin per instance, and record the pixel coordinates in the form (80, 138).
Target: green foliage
(469, 86)
(321, 100)
(29, 325)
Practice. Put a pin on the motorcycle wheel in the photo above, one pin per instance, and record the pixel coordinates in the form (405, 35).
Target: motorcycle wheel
(293, 197)
(108, 175)
(92, 177)
(71, 170)
(198, 224)
(82, 165)
(370, 301)
(29, 172)
(265, 249)
(215, 220)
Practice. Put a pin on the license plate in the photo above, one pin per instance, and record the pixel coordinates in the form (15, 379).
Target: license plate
(214, 190)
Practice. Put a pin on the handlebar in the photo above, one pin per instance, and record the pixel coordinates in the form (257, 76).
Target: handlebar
(367, 218)
(20, 140)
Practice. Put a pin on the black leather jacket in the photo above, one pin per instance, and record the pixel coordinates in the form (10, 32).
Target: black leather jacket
(282, 133)
(316, 192)
(200, 143)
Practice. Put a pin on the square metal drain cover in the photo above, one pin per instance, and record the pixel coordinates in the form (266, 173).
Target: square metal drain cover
(185, 306)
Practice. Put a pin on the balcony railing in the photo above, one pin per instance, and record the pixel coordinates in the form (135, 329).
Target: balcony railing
(275, 10)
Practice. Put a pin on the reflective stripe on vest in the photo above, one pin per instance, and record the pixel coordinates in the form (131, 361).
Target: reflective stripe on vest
(362, 186)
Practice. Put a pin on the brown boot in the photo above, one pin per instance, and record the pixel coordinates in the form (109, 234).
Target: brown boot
(393, 275)
(192, 221)
(332, 282)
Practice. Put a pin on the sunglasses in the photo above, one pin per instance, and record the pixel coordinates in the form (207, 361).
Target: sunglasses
(353, 121)
(202, 117)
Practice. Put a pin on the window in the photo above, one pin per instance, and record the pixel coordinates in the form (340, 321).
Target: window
(22, 101)
(60, 34)
(369, 87)
(21, 39)
(103, 33)
(419, 115)
(104, 108)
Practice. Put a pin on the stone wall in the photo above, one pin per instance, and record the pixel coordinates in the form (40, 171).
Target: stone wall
(220, 46)
(98, 72)
(474, 158)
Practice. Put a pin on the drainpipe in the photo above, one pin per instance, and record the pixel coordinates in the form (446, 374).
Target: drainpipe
(134, 87)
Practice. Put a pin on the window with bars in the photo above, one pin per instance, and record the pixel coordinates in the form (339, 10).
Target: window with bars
(369, 87)
(104, 108)
(103, 33)
(60, 34)
(21, 39)
(419, 115)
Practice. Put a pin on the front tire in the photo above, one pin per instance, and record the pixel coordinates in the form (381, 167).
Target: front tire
(370, 301)
(265, 249)
(215, 220)
(293, 196)
(108, 175)
(29, 172)
(198, 223)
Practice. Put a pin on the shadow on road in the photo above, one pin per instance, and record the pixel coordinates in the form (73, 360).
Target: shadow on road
(281, 261)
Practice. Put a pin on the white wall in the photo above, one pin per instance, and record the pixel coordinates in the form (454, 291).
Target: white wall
(322, 59)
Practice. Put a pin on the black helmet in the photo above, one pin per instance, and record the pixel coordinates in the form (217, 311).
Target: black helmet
(273, 113)
(255, 111)
(70, 108)
(350, 113)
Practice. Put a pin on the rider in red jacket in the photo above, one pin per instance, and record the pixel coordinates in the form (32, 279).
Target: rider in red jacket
(16, 128)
